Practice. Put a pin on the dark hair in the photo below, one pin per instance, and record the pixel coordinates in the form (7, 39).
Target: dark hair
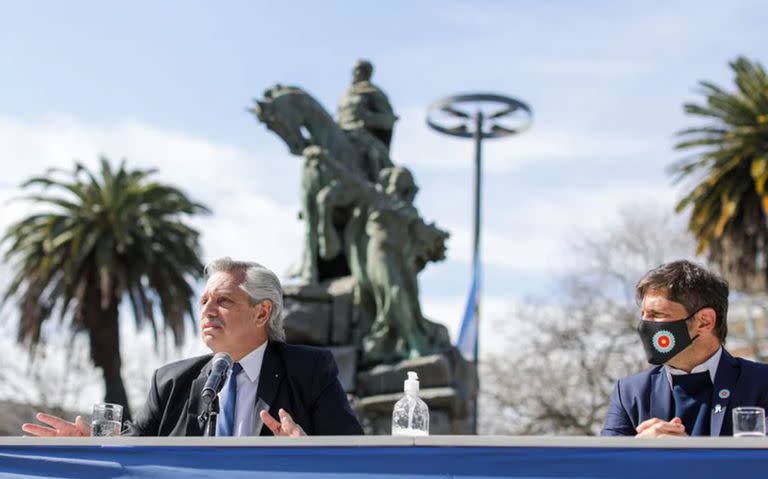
(691, 285)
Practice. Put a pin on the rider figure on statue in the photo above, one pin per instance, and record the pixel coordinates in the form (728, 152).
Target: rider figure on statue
(367, 116)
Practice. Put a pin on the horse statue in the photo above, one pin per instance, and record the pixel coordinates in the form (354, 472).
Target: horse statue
(301, 121)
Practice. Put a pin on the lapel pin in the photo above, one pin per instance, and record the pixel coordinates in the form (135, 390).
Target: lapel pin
(724, 394)
(718, 408)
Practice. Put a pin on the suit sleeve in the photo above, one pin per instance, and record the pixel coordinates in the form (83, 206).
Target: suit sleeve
(147, 421)
(330, 413)
(617, 421)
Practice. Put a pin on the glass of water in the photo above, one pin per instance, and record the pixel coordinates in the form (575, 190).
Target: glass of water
(107, 419)
(748, 421)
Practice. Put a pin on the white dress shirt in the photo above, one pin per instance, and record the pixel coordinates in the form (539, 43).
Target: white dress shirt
(708, 365)
(247, 389)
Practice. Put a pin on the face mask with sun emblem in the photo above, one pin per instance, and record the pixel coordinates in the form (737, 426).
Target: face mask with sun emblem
(664, 340)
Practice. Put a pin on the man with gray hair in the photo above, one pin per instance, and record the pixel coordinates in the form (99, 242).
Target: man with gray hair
(272, 387)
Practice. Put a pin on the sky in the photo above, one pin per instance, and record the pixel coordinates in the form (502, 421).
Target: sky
(166, 85)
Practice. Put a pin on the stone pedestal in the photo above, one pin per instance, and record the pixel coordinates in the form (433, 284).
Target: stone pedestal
(326, 315)
(448, 385)
(320, 315)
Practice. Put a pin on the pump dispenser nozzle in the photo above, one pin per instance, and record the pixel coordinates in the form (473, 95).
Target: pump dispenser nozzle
(411, 385)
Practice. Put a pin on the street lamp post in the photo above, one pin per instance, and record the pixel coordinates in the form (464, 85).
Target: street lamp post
(492, 116)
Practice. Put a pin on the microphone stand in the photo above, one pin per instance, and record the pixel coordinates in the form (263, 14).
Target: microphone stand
(209, 416)
(221, 363)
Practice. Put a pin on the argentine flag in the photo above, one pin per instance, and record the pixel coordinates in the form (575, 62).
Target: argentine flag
(467, 341)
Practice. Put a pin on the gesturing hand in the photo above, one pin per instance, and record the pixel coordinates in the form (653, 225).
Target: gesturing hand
(284, 427)
(656, 427)
(58, 427)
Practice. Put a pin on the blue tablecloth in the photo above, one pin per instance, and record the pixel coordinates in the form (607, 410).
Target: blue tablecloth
(379, 462)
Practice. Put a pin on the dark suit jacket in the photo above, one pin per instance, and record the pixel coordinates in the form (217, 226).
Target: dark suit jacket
(300, 379)
(646, 395)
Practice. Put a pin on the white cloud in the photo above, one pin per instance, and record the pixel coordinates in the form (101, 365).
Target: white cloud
(246, 223)
(416, 144)
(536, 233)
(249, 223)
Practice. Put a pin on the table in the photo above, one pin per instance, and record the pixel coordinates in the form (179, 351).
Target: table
(382, 457)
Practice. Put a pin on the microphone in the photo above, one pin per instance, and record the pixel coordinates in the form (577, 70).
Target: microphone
(221, 364)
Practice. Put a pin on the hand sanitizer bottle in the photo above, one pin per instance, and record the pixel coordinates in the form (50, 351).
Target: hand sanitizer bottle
(410, 417)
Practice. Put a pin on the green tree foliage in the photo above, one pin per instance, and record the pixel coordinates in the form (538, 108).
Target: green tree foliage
(728, 170)
(98, 240)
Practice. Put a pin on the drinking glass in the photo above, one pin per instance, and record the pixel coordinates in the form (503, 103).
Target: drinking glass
(107, 419)
(748, 421)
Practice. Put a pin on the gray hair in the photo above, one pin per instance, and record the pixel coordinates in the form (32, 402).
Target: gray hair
(260, 283)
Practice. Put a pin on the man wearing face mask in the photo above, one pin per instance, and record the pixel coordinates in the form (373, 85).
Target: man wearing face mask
(696, 383)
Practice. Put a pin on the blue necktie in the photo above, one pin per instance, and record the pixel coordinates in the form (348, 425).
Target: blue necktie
(226, 420)
(693, 393)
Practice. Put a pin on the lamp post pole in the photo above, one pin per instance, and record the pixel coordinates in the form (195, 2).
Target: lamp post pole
(478, 175)
(491, 117)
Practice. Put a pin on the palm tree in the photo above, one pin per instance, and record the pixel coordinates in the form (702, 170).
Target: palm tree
(729, 170)
(100, 240)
